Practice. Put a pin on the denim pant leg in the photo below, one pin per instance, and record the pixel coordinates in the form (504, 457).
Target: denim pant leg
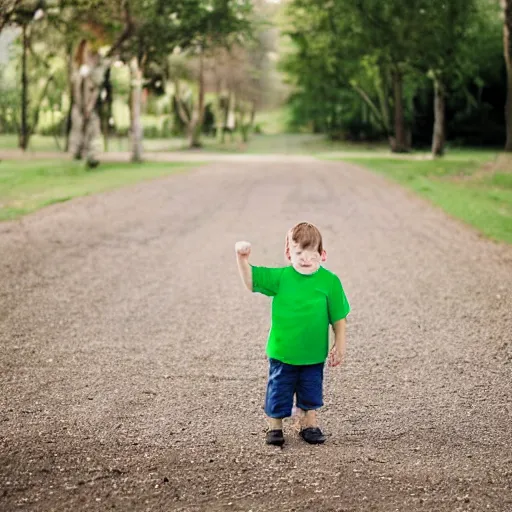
(310, 387)
(282, 382)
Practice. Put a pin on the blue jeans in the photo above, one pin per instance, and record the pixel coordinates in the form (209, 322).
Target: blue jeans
(285, 380)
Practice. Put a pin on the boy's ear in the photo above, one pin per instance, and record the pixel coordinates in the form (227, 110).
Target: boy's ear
(323, 256)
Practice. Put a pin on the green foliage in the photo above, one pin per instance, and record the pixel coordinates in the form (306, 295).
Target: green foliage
(9, 100)
(317, 65)
(149, 30)
(343, 55)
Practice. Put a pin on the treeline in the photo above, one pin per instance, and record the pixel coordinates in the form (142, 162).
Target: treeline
(415, 72)
(209, 57)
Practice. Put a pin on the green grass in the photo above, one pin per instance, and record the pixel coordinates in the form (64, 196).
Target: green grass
(304, 144)
(26, 186)
(46, 143)
(37, 143)
(272, 122)
(292, 143)
(463, 183)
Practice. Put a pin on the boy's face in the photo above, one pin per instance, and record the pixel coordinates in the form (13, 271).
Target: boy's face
(305, 261)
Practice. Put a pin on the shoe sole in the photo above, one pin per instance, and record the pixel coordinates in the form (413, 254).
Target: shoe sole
(314, 442)
(275, 443)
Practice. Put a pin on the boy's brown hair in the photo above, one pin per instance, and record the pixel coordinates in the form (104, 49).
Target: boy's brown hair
(306, 235)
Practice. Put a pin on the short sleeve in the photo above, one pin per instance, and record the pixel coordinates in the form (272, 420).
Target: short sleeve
(266, 280)
(338, 304)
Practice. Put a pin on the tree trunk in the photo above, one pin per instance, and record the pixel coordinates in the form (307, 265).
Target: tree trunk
(194, 133)
(219, 110)
(23, 141)
(198, 115)
(193, 121)
(507, 52)
(226, 116)
(439, 136)
(85, 135)
(400, 139)
(71, 95)
(253, 115)
(135, 109)
(182, 112)
(201, 89)
(108, 115)
(240, 119)
(380, 115)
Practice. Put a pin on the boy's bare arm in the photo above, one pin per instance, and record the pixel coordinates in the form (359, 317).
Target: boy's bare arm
(243, 250)
(338, 350)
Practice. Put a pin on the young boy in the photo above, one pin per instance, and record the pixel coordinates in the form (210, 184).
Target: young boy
(307, 298)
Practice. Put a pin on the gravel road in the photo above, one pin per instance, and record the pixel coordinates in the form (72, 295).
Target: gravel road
(132, 364)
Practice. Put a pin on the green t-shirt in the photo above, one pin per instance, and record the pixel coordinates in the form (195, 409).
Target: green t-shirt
(303, 307)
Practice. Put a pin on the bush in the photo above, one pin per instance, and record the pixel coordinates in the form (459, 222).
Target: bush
(157, 127)
(122, 131)
(56, 129)
(151, 132)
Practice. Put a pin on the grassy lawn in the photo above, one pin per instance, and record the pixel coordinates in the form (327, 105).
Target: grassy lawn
(469, 185)
(26, 186)
(47, 143)
(305, 144)
(292, 143)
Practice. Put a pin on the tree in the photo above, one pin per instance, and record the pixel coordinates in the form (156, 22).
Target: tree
(243, 75)
(63, 24)
(341, 83)
(240, 77)
(155, 34)
(25, 14)
(394, 30)
(206, 25)
(90, 69)
(451, 32)
(190, 110)
(362, 68)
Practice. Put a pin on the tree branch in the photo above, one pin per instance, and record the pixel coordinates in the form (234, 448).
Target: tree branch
(181, 111)
(36, 56)
(127, 32)
(371, 104)
(7, 12)
(35, 120)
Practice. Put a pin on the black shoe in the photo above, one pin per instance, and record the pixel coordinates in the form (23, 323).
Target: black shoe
(275, 437)
(312, 435)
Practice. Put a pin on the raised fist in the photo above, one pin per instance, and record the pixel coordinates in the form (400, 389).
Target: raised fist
(243, 248)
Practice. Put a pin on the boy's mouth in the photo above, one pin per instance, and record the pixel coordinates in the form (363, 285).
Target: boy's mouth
(307, 267)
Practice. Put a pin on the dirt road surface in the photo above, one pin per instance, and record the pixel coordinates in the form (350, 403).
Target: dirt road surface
(132, 365)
